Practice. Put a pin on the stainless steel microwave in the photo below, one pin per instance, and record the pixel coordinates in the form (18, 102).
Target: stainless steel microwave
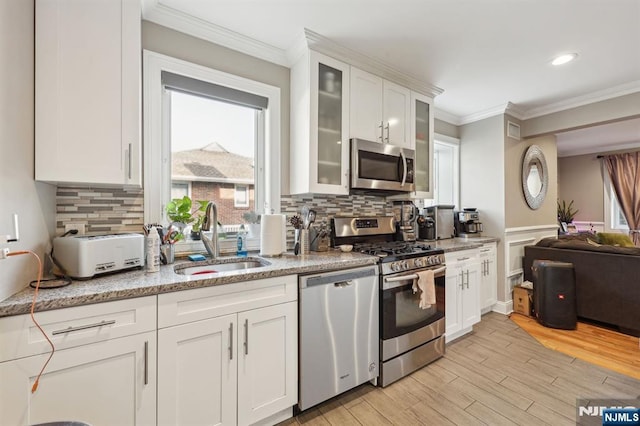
(381, 167)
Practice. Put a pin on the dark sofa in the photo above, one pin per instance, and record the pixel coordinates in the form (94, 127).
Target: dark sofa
(607, 279)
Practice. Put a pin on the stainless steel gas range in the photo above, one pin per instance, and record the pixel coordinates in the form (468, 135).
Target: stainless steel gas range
(410, 336)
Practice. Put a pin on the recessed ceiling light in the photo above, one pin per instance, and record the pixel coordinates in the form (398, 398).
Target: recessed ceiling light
(563, 59)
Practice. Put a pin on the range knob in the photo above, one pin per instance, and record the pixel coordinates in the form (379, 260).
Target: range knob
(405, 265)
(419, 262)
(395, 266)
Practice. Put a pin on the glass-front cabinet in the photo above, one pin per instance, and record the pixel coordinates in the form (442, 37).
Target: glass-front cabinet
(319, 125)
(422, 132)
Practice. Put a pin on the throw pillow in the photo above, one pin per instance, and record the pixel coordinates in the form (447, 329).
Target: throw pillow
(614, 239)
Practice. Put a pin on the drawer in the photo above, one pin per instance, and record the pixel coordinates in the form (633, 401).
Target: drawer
(76, 326)
(186, 306)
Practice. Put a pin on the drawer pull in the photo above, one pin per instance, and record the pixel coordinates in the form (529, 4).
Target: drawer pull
(84, 327)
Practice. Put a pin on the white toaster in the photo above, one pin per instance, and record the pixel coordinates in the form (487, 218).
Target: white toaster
(85, 256)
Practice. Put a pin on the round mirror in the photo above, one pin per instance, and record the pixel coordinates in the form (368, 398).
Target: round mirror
(535, 178)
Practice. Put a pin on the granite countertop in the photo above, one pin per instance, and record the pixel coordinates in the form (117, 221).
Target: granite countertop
(138, 283)
(458, 244)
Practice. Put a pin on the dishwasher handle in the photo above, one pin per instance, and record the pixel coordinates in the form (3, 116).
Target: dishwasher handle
(337, 278)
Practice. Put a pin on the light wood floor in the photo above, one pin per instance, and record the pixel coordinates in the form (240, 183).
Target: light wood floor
(597, 345)
(497, 375)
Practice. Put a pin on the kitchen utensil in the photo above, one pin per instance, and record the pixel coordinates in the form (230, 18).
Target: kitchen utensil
(304, 213)
(345, 248)
(296, 222)
(312, 217)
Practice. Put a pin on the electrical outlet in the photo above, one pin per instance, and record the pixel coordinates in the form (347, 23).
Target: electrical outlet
(77, 226)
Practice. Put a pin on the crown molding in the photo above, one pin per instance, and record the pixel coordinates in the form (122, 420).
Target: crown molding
(155, 11)
(598, 96)
(446, 116)
(329, 47)
(491, 112)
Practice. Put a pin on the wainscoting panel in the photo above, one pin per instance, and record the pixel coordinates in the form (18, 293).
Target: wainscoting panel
(515, 240)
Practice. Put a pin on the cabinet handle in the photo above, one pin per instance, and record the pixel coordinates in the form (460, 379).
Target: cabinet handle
(230, 341)
(129, 161)
(246, 337)
(462, 280)
(460, 259)
(146, 362)
(381, 127)
(84, 327)
(467, 279)
(387, 127)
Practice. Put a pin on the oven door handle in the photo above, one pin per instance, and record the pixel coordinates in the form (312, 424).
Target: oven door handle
(393, 282)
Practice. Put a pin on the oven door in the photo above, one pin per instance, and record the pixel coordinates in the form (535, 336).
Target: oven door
(378, 166)
(400, 313)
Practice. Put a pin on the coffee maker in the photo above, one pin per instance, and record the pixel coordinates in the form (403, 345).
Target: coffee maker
(405, 214)
(442, 218)
(467, 223)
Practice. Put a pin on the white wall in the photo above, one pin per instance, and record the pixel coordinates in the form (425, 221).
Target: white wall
(19, 193)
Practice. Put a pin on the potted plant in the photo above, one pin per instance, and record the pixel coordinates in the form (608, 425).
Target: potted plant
(565, 212)
(179, 212)
(253, 223)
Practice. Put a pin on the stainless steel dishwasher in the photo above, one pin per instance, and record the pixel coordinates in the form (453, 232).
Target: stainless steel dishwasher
(338, 333)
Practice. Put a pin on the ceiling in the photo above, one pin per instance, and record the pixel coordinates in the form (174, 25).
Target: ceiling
(484, 54)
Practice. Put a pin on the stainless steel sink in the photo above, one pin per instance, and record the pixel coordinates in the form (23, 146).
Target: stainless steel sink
(211, 267)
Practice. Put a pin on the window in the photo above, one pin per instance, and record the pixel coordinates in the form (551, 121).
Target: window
(446, 176)
(241, 198)
(175, 92)
(214, 147)
(614, 219)
(179, 189)
(618, 221)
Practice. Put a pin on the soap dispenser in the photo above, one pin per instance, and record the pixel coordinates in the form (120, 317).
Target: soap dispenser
(242, 242)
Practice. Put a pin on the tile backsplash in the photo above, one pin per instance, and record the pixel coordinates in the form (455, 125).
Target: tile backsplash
(110, 210)
(101, 210)
(327, 206)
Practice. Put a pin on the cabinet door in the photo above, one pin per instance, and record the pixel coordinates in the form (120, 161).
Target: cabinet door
(453, 313)
(366, 118)
(488, 282)
(87, 91)
(396, 114)
(107, 383)
(422, 142)
(471, 294)
(267, 368)
(197, 373)
(330, 158)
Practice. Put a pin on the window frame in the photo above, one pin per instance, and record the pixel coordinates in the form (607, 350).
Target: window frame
(157, 166)
(454, 143)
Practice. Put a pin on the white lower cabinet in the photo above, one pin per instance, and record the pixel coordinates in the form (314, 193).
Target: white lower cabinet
(238, 367)
(489, 277)
(462, 296)
(197, 365)
(110, 381)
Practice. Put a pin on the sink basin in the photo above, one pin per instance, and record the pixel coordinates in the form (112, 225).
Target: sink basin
(217, 266)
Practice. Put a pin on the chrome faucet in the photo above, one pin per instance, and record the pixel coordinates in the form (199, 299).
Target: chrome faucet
(210, 220)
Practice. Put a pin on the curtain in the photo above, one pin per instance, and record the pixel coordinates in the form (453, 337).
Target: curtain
(624, 171)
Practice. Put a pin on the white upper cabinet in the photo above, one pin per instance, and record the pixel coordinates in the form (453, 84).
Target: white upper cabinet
(319, 125)
(87, 92)
(380, 110)
(422, 141)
